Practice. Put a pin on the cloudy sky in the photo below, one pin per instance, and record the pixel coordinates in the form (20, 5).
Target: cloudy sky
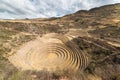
(17, 9)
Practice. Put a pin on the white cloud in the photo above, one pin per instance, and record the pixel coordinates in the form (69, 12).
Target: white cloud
(12, 9)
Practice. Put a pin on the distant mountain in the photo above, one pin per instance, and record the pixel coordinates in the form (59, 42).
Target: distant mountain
(96, 32)
(46, 9)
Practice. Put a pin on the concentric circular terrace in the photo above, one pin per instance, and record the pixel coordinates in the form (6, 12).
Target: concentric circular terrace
(52, 51)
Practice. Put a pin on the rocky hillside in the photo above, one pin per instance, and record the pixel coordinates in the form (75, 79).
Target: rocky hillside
(98, 34)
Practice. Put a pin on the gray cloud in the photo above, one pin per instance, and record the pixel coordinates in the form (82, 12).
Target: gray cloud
(17, 9)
